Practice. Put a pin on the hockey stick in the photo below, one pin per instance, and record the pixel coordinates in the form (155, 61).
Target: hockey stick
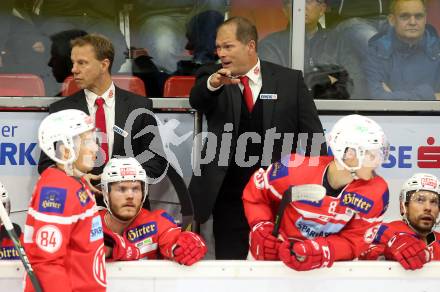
(308, 192)
(186, 205)
(24, 259)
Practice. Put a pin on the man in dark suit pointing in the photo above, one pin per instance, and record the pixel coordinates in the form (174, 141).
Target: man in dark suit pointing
(92, 58)
(252, 105)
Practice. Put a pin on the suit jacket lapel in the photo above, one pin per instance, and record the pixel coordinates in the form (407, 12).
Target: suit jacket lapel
(121, 114)
(269, 86)
(79, 101)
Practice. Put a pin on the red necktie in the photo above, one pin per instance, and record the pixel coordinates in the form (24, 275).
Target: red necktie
(101, 126)
(247, 92)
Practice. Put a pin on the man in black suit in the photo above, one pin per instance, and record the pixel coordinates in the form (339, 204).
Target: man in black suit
(279, 101)
(92, 57)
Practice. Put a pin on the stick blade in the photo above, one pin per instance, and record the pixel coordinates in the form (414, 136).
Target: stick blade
(308, 192)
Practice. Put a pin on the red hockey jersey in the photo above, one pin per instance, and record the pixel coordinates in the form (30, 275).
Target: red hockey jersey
(154, 233)
(63, 235)
(387, 230)
(347, 220)
(7, 248)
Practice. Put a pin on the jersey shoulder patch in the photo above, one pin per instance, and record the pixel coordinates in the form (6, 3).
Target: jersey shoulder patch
(96, 232)
(168, 217)
(278, 170)
(379, 234)
(370, 198)
(380, 193)
(83, 196)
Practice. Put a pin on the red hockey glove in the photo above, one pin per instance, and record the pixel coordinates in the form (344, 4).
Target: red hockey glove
(409, 251)
(308, 254)
(189, 248)
(263, 245)
(373, 252)
(123, 250)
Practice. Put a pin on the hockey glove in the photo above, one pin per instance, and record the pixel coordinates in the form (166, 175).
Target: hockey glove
(189, 248)
(123, 250)
(308, 254)
(374, 252)
(409, 251)
(263, 245)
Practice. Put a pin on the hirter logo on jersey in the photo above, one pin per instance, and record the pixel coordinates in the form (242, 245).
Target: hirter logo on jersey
(356, 202)
(9, 253)
(142, 231)
(52, 200)
(128, 171)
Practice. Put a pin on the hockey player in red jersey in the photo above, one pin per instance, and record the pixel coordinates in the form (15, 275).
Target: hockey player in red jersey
(63, 234)
(411, 241)
(7, 248)
(314, 234)
(131, 232)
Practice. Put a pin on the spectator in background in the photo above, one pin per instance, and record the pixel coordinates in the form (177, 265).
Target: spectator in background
(276, 48)
(200, 33)
(340, 10)
(352, 24)
(329, 82)
(403, 62)
(142, 66)
(345, 45)
(93, 16)
(5, 24)
(159, 26)
(23, 49)
(60, 62)
(318, 54)
(412, 240)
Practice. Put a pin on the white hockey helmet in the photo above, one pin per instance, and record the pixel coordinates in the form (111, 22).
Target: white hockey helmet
(359, 133)
(63, 126)
(122, 169)
(4, 198)
(419, 182)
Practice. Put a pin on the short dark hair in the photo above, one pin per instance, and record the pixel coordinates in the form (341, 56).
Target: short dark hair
(393, 4)
(246, 30)
(103, 46)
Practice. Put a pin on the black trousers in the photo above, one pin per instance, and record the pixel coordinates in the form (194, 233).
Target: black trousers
(230, 227)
